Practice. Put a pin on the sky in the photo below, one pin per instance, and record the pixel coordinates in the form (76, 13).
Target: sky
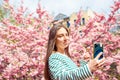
(67, 7)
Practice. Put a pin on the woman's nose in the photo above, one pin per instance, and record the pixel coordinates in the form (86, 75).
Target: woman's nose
(66, 37)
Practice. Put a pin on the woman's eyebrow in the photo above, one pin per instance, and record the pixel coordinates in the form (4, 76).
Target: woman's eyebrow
(60, 34)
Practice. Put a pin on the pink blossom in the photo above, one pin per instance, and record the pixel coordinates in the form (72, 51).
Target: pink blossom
(118, 68)
(6, 0)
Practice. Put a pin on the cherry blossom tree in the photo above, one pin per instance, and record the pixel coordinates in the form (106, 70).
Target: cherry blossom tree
(23, 41)
(98, 30)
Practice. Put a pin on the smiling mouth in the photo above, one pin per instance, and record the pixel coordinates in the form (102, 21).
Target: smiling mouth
(65, 43)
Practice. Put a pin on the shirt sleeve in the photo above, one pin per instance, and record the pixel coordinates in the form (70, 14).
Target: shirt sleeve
(59, 71)
(82, 62)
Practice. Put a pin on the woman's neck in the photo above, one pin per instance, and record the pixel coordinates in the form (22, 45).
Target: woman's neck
(61, 51)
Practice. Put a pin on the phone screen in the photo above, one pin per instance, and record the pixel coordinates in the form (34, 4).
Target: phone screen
(98, 47)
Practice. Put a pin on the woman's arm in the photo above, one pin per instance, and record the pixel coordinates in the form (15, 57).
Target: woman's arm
(82, 63)
(59, 71)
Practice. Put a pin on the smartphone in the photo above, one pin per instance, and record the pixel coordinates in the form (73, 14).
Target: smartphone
(98, 47)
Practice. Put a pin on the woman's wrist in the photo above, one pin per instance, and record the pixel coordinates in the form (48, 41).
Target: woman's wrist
(91, 72)
(92, 67)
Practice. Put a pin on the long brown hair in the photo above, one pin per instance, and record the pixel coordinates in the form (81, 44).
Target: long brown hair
(52, 47)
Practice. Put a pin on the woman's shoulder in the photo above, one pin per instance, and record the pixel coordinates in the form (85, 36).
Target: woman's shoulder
(61, 58)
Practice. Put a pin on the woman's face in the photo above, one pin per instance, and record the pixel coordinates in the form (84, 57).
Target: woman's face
(62, 39)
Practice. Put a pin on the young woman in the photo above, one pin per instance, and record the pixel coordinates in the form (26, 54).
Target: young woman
(58, 64)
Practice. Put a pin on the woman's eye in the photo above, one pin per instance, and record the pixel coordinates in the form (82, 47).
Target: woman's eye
(59, 36)
(62, 35)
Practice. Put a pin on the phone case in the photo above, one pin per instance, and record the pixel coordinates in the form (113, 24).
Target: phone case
(97, 49)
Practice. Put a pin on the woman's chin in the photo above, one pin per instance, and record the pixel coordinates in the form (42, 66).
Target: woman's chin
(66, 45)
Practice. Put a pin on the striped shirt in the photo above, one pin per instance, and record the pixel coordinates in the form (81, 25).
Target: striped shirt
(61, 67)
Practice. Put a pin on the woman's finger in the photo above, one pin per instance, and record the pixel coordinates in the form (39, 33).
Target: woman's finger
(98, 56)
(101, 62)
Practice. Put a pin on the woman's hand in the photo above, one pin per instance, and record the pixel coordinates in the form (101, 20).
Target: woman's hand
(95, 63)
